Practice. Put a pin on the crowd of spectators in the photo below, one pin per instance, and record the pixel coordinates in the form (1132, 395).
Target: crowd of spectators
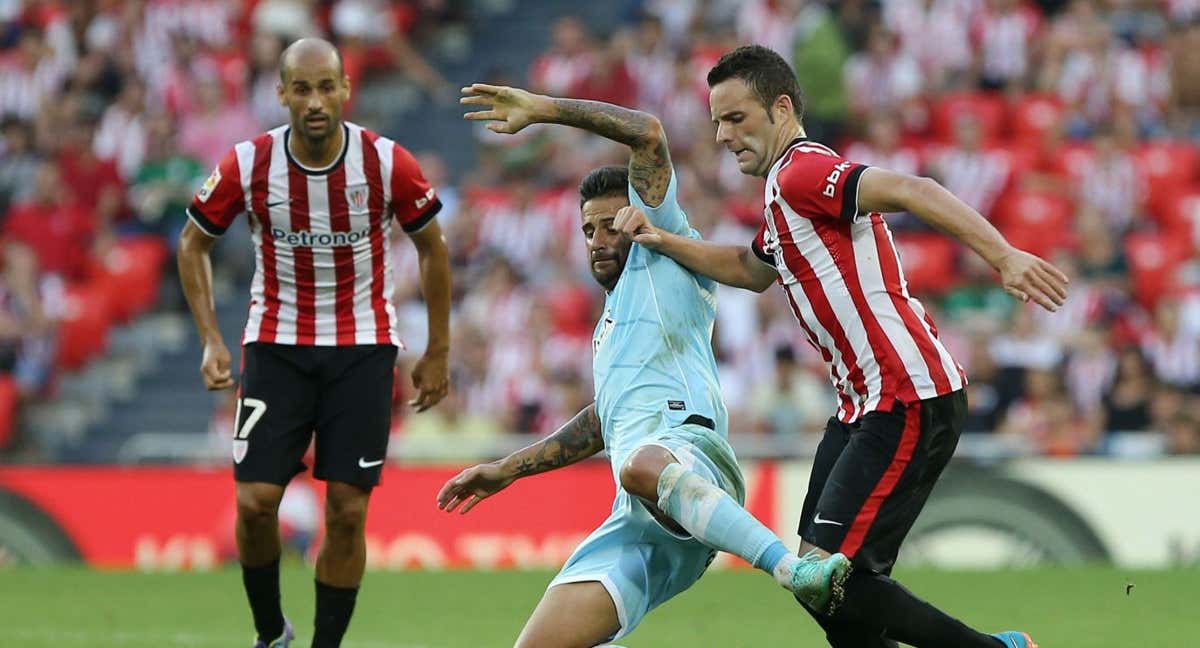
(1072, 126)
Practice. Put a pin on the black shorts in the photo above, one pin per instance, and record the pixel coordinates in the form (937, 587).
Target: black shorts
(344, 394)
(870, 478)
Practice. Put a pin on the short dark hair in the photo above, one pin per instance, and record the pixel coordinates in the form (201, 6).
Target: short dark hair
(764, 71)
(605, 181)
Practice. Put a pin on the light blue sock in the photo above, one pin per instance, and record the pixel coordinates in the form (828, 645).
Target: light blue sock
(716, 519)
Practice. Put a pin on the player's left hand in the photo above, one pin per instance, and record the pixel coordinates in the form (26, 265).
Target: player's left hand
(633, 223)
(508, 109)
(472, 486)
(1029, 277)
(431, 378)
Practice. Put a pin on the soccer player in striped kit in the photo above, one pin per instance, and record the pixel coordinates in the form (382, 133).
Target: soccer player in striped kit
(902, 398)
(320, 343)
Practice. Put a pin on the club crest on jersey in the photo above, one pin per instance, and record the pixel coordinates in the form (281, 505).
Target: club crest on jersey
(240, 446)
(605, 329)
(356, 197)
(209, 185)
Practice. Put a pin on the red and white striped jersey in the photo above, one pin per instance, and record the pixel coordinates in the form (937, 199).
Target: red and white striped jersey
(841, 274)
(323, 268)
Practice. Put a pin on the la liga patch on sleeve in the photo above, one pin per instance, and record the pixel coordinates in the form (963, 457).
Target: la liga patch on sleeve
(209, 185)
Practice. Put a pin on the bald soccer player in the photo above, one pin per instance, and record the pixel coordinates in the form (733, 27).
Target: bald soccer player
(321, 196)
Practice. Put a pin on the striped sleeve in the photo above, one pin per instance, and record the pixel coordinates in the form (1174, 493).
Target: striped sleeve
(414, 201)
(220, 198)
(820, 185)
(760, 248)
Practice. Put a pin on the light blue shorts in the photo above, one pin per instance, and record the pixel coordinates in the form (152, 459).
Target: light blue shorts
(641, 563)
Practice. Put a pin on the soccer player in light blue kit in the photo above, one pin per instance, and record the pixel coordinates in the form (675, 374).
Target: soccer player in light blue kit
(658, 410)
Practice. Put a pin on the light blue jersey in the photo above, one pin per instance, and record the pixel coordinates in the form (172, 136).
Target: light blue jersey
(656, 384)
(653, 364)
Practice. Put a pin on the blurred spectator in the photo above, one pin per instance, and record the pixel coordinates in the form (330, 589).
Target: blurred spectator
(264, 81)
(207, 132)
(26, 329)
(985, 400)
(936, 34)
(1110, 183)
(1005, 35)
(121, 136)
(770, 23)
(1127, 402)
(820, 54)
(608, 77)
(567, 62)
(286, 19)
(18, 162)
(1045, 419)
(795, 399)
(882, 78)
(1173, 351)
(165, 182)
(651, 62)
(31, 75)
(1184, 105)
(93, 183)
(59, 231)
(970, 171)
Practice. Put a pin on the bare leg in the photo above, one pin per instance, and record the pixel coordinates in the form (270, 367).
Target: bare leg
(572, 615)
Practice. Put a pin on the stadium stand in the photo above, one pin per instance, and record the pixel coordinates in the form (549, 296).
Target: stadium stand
(112, 112)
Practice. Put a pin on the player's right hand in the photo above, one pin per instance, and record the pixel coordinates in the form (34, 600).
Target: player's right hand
(215, 366)
(1029, 277)
(508, 109)
(633, 223)
(472, 486)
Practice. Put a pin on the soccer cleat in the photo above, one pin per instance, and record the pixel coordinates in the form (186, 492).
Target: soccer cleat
(283, 641)
(1014, 639)
(818, 583)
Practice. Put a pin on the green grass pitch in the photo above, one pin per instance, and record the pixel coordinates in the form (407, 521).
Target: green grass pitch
(1062, 608)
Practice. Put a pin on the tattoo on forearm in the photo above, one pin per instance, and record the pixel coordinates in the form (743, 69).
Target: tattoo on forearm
(579, 438)
(650, 165)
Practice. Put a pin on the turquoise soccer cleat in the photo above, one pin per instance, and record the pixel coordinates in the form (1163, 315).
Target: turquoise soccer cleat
(1015, 639)
(818, 583)
(282, 641)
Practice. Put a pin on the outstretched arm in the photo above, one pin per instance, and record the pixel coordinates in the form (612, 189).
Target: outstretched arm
(576, 440)
(508, 110)
(732, 265)
(1023, 275)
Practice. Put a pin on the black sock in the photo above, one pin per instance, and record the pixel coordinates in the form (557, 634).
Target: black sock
(334, 607)
(876, 601)
(841, 633)
(262, 589)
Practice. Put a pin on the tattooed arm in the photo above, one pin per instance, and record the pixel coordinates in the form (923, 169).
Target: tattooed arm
(576, 440)
(508, 110)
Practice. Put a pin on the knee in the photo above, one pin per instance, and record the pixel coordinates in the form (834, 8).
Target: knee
(258, 505)
(345, 517)
(639, 474)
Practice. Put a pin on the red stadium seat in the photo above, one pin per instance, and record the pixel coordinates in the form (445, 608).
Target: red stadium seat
(1177, 212)
(83, 330)
(1153, 261)
(1037, 221)
(1168, 164)
(1033, 116)
(989, 109)
(1075, 156)
(928, 260)
(9, 399)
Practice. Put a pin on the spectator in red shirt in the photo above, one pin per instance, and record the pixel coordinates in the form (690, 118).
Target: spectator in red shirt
(96, 183)
(58, 230)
